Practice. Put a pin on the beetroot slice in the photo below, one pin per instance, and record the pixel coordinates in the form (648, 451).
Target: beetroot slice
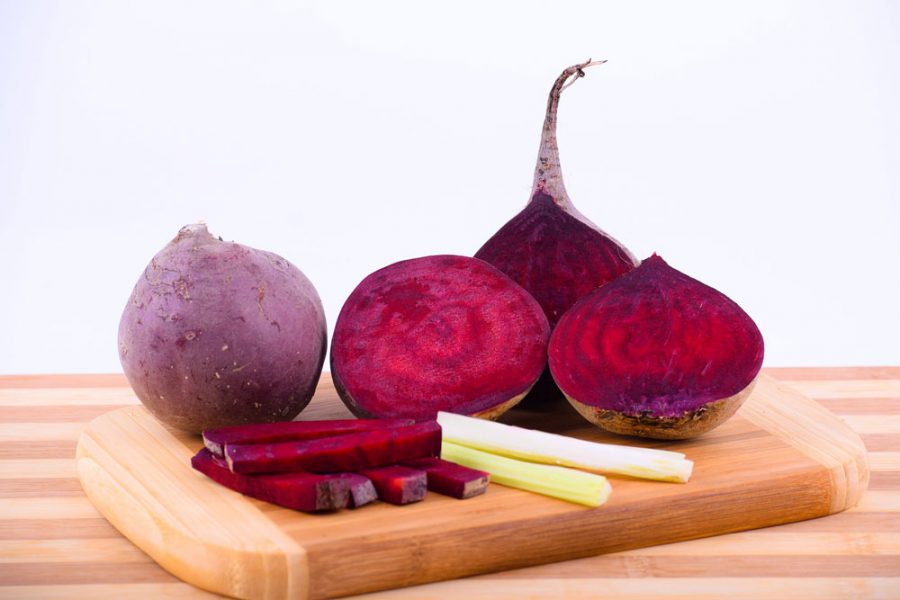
(397, 484)
(260, 433)
(299, 491)
(451, 479)
(362, 490)
(447, 333)
(656, 353)
(349, 452)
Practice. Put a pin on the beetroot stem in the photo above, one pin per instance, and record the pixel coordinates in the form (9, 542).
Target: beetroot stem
(547, 173)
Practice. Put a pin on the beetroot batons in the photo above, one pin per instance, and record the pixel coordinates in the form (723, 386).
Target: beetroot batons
(549, 248)
(447, 333)
(656, 354)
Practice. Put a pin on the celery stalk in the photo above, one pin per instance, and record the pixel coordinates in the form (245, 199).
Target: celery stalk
(549, 448)
(567, 484)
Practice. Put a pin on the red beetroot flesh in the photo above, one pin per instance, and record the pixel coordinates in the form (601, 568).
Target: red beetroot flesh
(299, 491)
(447, 333)
(265, 433)
(349, 452)
(655, 343)
(362, 491)
(451, 479)
(397, 484)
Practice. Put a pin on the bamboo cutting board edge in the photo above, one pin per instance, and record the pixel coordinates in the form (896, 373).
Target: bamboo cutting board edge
(263, 562)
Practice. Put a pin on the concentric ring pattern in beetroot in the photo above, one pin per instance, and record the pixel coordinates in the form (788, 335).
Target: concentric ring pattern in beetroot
(437, 333)
(656, 343)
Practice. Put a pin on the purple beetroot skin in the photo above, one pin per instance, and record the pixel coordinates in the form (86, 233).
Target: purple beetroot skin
(550, 248)
(656, 354)
(437, 333)
(216, 333)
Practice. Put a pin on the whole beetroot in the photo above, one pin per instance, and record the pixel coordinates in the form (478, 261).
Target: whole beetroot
(216, 333)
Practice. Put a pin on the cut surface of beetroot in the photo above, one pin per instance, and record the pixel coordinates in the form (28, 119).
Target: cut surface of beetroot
(656, 353)
(398, 484)
(447, 333)
(263, 433)
(350, 452)
(298, 491)
(450, 479)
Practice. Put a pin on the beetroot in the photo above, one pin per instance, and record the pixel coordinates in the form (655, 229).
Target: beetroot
(398, 484)
(217, 333)
(264, 433)
(362, 491)
(657, 354)
(348, 452)
(299, 491)
(550, 248)
(451, 479)
(437, 333)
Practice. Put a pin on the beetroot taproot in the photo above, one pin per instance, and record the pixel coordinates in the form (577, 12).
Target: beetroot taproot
(348, 452)
(267, 433)
(656, 354)
(216, 333)
(447, 333)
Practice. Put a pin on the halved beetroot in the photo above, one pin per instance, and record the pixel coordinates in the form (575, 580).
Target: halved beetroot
(656, 354)
(299, 491)
(447, 333)
(347, 452)
(266, 433)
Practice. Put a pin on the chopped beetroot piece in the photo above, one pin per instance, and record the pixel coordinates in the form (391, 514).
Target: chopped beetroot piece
(436, 333)
(299, 491)
(362, 491)
(342, 453)
(265, 433)
(451, 479)
(656, 353)
(397, 484)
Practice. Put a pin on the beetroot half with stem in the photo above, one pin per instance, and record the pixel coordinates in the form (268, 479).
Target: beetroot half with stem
(656, 354)
(550, 248)
(447, 333)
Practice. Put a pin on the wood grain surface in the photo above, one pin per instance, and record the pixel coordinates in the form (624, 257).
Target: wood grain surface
(53, 542)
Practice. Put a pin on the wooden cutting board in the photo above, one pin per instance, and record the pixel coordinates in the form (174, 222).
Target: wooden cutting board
(782, 458)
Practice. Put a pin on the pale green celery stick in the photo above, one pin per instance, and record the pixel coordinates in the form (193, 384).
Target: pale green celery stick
(567, 484)
(550, 448)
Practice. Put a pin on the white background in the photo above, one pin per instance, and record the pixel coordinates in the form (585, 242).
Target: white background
(755, 145)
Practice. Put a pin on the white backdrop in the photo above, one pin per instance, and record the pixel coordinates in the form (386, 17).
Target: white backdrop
(755, 145)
